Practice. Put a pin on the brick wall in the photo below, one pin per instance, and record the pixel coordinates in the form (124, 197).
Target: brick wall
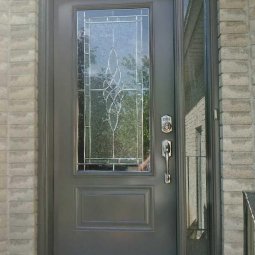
(18, 120)
(4, 41)
(252, 55)
(237, 118)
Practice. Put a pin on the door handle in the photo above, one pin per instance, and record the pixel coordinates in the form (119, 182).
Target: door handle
(167, 153)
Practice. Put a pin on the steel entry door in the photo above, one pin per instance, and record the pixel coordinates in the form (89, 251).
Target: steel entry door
(114, 128)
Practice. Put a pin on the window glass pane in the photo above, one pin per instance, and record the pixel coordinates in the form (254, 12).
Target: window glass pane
(113, 90)
(195, 128)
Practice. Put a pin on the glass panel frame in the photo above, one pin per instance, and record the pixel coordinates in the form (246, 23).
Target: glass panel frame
(122, 161)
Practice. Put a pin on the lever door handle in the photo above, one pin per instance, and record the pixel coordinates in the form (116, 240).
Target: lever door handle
(167, 153)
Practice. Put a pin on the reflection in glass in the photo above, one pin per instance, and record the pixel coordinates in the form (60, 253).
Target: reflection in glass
(113, 90)
(195, 129)
(185, 6)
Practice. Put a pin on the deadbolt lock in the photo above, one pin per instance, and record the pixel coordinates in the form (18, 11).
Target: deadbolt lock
(166, 124)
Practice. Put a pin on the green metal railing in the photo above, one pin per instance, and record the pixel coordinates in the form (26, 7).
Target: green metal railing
(249, 222)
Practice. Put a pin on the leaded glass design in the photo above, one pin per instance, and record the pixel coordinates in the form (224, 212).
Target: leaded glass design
(113, 90)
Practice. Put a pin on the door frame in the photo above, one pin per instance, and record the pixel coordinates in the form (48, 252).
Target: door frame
(45, 129)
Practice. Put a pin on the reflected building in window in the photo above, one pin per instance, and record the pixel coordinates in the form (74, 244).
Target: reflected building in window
(195, 128)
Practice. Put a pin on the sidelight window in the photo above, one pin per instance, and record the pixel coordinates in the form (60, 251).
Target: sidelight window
(196, 101)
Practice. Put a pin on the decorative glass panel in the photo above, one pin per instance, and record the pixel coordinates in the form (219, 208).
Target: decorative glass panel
(113, 90)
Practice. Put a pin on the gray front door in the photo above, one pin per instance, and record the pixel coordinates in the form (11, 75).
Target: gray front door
(114, 131)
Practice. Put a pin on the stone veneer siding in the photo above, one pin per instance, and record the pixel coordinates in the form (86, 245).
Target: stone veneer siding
(18, 120)
(3, 123)
(236, 57)
(18, 125)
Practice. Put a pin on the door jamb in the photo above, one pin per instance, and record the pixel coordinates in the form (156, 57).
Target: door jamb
(45, 129)
(212, 127)
(180, 130)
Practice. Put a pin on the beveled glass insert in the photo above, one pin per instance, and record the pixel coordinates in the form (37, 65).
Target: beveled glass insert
(113, 90)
